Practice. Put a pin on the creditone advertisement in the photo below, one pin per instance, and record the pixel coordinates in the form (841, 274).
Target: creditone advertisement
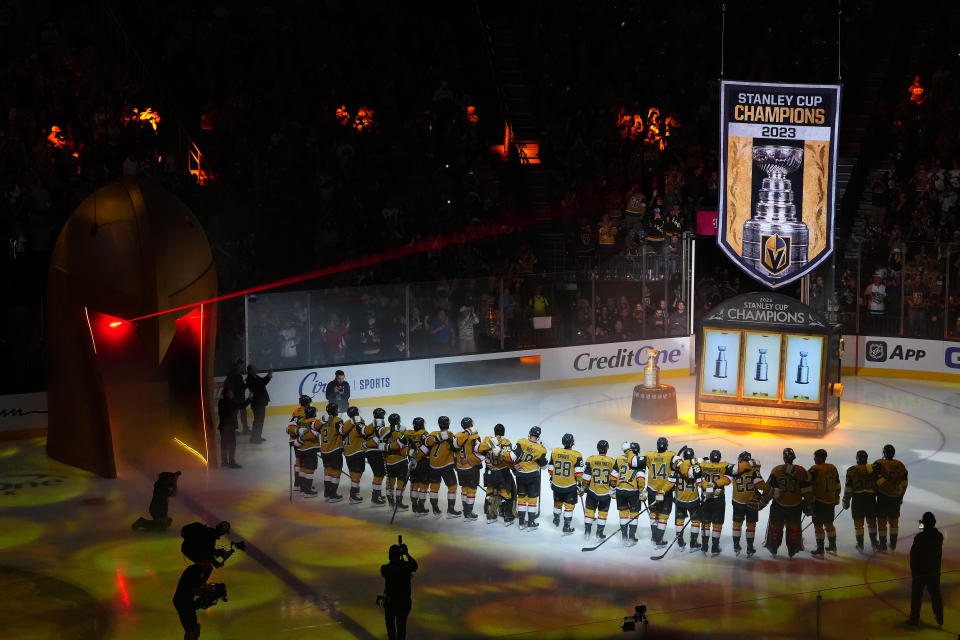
(778, 168)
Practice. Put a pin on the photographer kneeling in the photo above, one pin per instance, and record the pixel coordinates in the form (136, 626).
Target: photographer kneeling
(396, 600)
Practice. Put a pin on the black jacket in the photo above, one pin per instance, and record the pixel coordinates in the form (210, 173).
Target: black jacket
(339, 392)
(926, 552)
(235, 383)
(227, 412)
(397, 576)
(258, 387)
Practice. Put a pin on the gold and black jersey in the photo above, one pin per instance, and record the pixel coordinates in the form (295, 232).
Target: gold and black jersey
(860, 479)
(565, 468)
(788, 488)
(825, 483)
(372, 433)
(496, 451)
(747, 481)
(529, 455)
(442, 446)
(329, 428)
(467, 444)
(599, 474)
(308, 438)
(298, 413)
(659, 473)
(891, 477)
(687, 484)
(714, 476)
(629, 476)
(396, 450)
(352, 432)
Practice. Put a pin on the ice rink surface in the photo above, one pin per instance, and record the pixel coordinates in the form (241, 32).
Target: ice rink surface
(70, 567)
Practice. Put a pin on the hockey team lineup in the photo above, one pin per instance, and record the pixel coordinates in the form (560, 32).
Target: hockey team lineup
(656, 483)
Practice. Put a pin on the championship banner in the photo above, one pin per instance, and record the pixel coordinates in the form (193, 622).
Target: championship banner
(778, 170)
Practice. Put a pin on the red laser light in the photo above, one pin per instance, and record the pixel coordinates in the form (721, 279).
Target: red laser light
(116, 323)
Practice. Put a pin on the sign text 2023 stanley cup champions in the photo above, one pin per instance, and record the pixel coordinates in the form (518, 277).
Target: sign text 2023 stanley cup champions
(778, 168)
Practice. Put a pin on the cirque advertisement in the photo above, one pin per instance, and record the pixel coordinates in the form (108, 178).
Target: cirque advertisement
(778, 166)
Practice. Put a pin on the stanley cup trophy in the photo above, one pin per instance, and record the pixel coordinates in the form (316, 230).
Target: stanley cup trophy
(653, 402)
(774, 241)
(651, 372)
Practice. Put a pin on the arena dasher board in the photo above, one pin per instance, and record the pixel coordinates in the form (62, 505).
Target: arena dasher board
(778, 167)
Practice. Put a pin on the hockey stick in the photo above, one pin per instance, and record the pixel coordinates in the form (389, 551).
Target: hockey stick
(679, 534)
(291, 472)
(610, 537)
(831, 522)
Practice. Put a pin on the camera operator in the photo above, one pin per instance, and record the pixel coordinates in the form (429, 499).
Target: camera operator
(396, 599)
(200, 542)
(191, 585)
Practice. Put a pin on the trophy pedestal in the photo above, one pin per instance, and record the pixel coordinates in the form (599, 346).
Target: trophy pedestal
(654, 405)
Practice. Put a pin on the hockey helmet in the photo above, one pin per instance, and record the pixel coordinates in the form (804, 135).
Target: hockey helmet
(889, 451)
(310, 412)
(332, 408)
(535, 432)
(789, 456)
(625, 446)
(443, 422)
(662, 445)
(567, 440)
(305, 400)
(688, 453)
(602, 447)
(499, 430)
(862, 457)
(820, 456)
(353, 412)
(419, 423)
(715, 455)
(394, 419)
(467, 423)
(379, 413)
(635, 447)
(745, 456)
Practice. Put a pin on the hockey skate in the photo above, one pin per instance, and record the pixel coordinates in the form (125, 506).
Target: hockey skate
(377, 500)
(532, 524)
(436, 511)
(600, 534)
(568, 530)
(556, 519)
(469, 516)
(452, 513)
(507, 522)
(355, 496)
(819, 551)
(715, 550)
(751, 550)
(680, 543)
(736, 547)
(307, 490)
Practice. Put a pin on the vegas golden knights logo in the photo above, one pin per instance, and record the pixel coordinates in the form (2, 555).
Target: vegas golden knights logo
(775, 252)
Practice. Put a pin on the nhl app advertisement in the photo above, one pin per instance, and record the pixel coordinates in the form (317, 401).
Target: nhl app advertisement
(778, 167)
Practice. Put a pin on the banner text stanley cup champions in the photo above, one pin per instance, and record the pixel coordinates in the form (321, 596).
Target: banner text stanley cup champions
(778, 170)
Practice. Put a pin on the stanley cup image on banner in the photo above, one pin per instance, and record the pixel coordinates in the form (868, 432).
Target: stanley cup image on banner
(778, 169)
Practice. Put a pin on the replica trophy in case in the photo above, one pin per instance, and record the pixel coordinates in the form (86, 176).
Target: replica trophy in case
(769, 363)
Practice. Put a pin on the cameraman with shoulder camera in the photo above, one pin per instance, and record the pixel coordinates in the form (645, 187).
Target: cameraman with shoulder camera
(396, 599)
(193, 580)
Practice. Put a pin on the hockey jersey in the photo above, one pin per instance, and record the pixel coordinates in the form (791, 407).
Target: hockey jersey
(496, 451)
(659, 471)
(687, 481)
(372, 434)
(529, 455)
(891, 477)
(394, 445)
(747, 481)
(600, 474)
(788, 487)
(308, 438)
(467, 443)
(352, 432)
(825, 483)
(565, 468)
(330, 439)
(298, 419)
(860, 479)
(714, 476)
(442, 444)
(629, 476)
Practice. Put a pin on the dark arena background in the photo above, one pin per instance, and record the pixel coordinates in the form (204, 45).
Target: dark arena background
(671, 249)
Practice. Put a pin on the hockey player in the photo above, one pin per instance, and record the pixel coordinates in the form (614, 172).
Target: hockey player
(298, 414)
(599, 476)
(351, 430)
(419, 465)
(468, 466)
(825, 482)
(443, 447)
(891, 475)
(371, 445)
(497, 478)
(631, 483)
(306, 446)
(687, 495)
(331, 452)
(566, 471)
(659, 465)
(528, 457)
(748, 486)
(394, 447)
(861, 488)
(715, 477)
(789, 486)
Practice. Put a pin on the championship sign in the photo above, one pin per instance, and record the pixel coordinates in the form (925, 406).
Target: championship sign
(778, 169)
